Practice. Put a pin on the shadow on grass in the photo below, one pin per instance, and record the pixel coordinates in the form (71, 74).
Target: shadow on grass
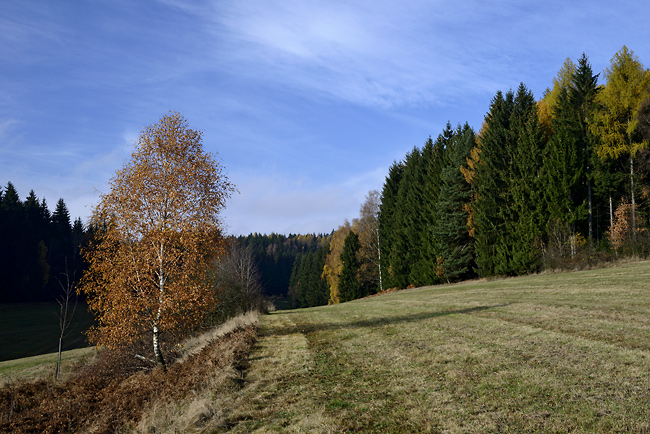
(32, 329)
(372, 322)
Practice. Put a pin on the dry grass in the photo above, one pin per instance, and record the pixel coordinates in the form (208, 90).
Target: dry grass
(547, 353)
(279, 395)
(110, 396)
(206, 406)
(196, 344)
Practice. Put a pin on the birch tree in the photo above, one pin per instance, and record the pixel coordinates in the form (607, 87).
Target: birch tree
(159, 232)
(370, 251)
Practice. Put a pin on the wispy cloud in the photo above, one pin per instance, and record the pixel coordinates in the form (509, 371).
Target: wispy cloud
(421, 53)
(374, 54)
(6, 125)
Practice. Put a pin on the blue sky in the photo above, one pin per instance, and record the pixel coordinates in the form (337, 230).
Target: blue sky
(307, 103)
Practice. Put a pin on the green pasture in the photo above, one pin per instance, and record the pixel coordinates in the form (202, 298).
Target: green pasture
(30, 329)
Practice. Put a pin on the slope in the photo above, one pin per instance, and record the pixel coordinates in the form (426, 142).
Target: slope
(546, 353)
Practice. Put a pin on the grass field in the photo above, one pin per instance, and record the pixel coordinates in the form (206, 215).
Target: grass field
(30, 329)
(42, 366)
(546, 353)
(550, 353)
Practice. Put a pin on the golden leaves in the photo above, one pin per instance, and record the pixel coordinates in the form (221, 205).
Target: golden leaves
(158, 231)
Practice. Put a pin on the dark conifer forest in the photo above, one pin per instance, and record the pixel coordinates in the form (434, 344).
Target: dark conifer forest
(560, 182)
(290, 266)
(38, 248)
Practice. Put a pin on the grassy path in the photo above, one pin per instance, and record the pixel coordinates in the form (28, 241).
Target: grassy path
(280, 395)
(547, 353)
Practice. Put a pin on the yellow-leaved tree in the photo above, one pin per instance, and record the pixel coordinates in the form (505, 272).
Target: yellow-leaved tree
(333, 263)
(546, 106)
(616, 121)
(158, 230)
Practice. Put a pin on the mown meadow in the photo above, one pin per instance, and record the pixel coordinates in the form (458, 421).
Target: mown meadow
(546, 353)
(565, 352)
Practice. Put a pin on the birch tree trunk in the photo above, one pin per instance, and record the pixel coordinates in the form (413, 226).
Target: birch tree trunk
(591, 211)
(161, 293)
(156, 347)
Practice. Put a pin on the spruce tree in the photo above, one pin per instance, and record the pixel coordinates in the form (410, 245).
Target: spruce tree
(582, 96)
(61, 250)
(526, 214)
(407, 242)
(34, 236)
(435, 159)
(388, 222)
(567, 162)
(306, 296)
(320, 289)
(491, 181)
(295, 283)
(509, 213)
(12, 247)
(454, 254)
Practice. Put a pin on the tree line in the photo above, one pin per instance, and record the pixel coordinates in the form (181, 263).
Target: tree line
(275, 255)
(544, 183)
(318, 269)
(39, 249)
(288, 265)
(550, 183)
(336, 267)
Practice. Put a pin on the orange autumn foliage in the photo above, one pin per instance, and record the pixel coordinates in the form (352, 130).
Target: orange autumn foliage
(621, 230)
(157, 232)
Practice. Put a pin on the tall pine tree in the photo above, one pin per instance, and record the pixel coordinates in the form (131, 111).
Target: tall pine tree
(389, 225)
(508, 210)
(526, 214)
(490, 182)
(567, 166)
(454, 247)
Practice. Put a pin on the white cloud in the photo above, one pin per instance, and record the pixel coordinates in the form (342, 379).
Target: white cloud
(385, 55)
(283, 204)
(70, 171)
(298, 96)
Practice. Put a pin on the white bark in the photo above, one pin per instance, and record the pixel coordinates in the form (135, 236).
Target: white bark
(161, 292)
(381, 285)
